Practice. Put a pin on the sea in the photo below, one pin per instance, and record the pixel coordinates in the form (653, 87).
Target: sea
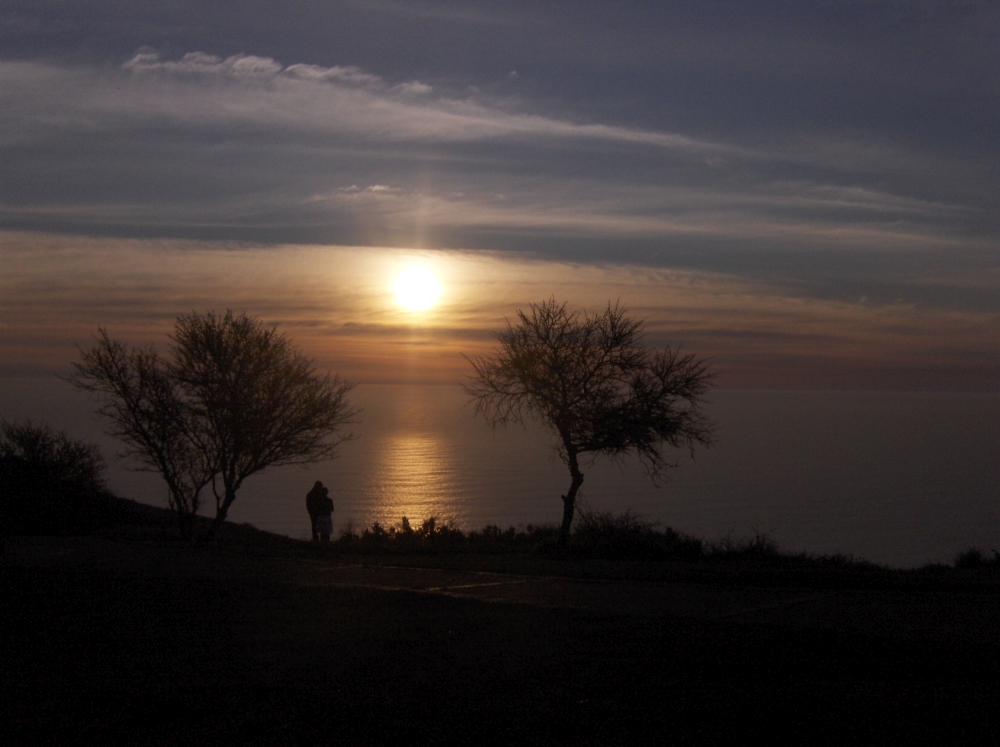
(899, 478)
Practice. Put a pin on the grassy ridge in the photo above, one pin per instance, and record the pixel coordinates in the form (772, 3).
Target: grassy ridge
(605, 546)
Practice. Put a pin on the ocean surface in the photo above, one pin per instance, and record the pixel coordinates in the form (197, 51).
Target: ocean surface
(897, 478)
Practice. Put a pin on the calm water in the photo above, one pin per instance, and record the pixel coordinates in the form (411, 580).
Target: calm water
(898, 478)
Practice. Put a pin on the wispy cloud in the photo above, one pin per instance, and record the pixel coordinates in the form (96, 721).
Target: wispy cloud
(248, 91)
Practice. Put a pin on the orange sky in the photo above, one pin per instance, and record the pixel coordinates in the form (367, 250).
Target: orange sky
(338, 305)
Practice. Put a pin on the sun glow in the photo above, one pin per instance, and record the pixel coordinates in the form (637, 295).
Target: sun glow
(416, 289)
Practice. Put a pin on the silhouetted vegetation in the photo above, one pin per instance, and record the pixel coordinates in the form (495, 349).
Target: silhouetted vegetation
(596, 535)
(604, 534)
(51, 484)
(593, 383)
(436, 535)
(976, 558)
(233, 399)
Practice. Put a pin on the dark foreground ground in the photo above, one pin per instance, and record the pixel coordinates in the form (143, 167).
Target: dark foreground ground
(114, 641)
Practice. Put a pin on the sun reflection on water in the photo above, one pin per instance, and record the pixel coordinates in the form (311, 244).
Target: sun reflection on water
(414, 476)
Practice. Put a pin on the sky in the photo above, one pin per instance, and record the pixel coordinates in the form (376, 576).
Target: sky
(804, 192)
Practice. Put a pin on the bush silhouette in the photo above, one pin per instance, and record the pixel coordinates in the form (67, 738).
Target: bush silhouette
(976, 558)
(628, 536)
(49, 483)
(602, 535)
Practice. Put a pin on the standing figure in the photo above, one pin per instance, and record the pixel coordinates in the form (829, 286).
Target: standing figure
(324, 521)
(315, 505)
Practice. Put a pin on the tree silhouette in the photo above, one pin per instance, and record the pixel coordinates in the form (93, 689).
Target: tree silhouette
(49, 482)
(234, 398)
(148, 412)
(592, 382)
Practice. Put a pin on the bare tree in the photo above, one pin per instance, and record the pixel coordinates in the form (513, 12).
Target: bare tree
(149, 414)
(235, 398)
(591, 381)
(261, 401)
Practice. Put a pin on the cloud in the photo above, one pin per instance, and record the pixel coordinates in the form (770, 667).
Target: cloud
(338, 304)
(246, 148)
(199, 64)
(414, 88)
(245, 91)
(209, 99)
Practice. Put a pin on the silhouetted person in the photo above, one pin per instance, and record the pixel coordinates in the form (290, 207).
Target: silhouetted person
(317, 501)
(324, 522)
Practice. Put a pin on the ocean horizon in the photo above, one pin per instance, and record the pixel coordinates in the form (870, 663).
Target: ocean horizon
(901, 478)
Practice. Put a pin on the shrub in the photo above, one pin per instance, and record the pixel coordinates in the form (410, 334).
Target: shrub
(760, 546)
(597, 535)
(437, 535)
(49, 483)
(976, 558)
(433, 533)
(629, 536)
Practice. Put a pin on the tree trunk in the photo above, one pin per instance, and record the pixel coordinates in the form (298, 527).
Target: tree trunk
(569, 500)
(220, 514)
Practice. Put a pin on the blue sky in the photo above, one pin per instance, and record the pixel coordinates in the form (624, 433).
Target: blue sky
(835, 158)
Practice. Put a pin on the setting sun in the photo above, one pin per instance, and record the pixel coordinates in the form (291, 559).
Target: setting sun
(416, 289)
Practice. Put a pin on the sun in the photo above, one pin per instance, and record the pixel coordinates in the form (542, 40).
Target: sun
(416, 289)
